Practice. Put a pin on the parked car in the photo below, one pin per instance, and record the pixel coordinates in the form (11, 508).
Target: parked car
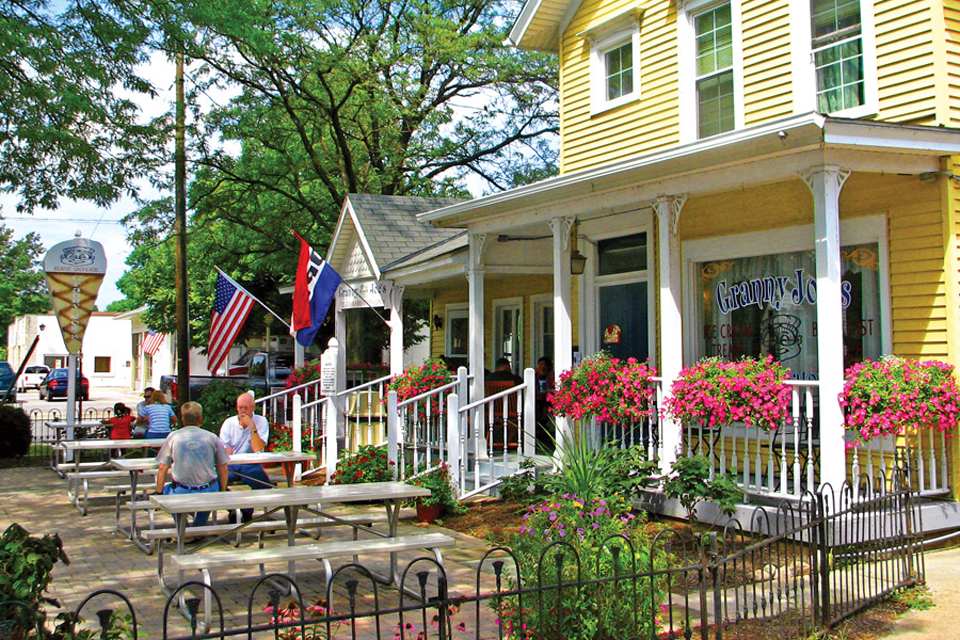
(55, 385)
(259, 371)
(32, 377)
(7, 374)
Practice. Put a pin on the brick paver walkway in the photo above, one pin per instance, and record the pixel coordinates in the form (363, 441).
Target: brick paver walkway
(100, 558)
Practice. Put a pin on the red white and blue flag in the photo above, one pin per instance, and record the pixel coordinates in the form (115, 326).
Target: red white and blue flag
(151, 342)
(313, 292)
(231, 306)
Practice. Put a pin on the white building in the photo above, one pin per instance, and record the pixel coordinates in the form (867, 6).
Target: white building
(107, 346)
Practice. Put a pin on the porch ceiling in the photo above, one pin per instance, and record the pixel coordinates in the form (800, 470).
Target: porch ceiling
(768, 153)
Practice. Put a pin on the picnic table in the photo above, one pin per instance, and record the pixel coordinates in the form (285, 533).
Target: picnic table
(64, 430)
(137, 466)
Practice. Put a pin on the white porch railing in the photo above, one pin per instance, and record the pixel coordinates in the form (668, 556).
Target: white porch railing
(487, 439)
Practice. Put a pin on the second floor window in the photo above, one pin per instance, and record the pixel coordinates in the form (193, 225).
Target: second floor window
(838, 54)
(714, 71)
(619, 71)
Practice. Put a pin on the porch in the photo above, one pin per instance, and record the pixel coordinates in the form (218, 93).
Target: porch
(485, 439)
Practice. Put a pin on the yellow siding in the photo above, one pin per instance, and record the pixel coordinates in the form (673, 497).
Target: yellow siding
(905, 63)
(951, 42)
(642, 126)
(758, 208)
(767, 91)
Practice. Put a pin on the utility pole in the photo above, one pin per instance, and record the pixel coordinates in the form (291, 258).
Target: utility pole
(180, 237)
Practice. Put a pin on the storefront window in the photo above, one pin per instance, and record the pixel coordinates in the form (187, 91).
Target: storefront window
(767, 305)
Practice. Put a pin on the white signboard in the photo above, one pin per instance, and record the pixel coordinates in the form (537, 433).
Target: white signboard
(373, 292)
(328, 372)
(74, 270)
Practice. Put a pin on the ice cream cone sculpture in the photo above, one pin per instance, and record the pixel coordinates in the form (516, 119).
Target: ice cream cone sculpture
(74, 270)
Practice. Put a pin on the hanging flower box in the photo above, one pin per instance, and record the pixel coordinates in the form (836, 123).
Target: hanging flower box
(896, 396)
(715, 393)
(605, 388)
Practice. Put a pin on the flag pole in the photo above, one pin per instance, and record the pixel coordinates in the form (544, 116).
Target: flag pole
(253, 297)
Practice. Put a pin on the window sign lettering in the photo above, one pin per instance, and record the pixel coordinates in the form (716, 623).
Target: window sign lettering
(767, 305)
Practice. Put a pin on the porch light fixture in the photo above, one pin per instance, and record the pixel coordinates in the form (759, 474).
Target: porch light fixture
(437, 322)
(578, 261)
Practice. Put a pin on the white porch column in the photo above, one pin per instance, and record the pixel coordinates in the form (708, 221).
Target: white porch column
(562, 307)
(340, 333)
(475, 321)
(825, 183)
(671, 331)
(394, 299)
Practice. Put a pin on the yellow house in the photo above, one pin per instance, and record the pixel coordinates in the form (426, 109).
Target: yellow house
(742, 178)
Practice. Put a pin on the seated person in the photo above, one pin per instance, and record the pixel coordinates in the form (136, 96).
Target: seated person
(158, 416)
(121, 422)
(246, 433)
(545, 377)
(195, 459)
(503, 373)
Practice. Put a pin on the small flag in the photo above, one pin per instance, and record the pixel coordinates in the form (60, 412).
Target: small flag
(313, 292)
(151, 342)
(231, 307)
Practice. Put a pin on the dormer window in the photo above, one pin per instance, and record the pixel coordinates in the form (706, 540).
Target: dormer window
(614, 60)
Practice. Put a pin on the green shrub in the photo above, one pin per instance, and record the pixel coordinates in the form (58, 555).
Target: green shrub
(25, 573)
(15, 432)
(527, 486)
(690, 483)
(441, 488)
(609, 610)
(219, 401)
(370, 464)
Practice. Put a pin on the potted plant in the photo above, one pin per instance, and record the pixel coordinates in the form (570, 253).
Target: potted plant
(896, 396)
(715, 392)
(442, 497)
(605, 388)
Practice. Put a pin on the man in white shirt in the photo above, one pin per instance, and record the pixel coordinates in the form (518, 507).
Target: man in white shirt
(246, 433)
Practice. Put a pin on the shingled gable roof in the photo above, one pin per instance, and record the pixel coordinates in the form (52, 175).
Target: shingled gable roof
(389, 225)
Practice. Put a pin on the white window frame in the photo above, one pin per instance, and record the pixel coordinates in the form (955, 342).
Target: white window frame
(516, 304)
(687, 62)
(854, 231)
(605, 38)
(627, 277)
(538, 302)
(804, 67)
(458, 310)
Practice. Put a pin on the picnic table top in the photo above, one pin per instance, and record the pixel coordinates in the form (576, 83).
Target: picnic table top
(105, 443)
(294, 496)
(142, 464)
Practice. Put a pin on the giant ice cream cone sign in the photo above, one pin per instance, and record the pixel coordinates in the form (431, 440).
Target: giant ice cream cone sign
(74, 271)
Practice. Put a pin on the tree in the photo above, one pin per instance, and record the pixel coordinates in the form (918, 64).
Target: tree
(337, 97)
(69, 124)
(22, 289)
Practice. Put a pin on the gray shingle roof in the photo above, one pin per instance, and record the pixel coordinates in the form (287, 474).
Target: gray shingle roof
(390, 224)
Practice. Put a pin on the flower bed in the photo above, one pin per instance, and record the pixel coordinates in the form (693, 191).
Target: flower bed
(894, 395)
(370, 464)
(714, 393)
(281, 439)
(605, 388)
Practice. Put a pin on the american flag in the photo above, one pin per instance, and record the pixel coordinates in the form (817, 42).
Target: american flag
(230, 310)
(151, 342)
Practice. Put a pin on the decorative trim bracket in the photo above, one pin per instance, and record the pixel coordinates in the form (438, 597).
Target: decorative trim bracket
(567, 224)
(831, 172)
(670, 206)
(477, 241)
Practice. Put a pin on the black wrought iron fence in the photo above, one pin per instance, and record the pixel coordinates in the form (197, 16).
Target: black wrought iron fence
(47, 430)
(788, 572)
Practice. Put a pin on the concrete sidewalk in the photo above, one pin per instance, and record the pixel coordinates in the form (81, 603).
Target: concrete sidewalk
(942, 622)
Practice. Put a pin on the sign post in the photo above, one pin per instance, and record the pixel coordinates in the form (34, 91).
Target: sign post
(74, 270)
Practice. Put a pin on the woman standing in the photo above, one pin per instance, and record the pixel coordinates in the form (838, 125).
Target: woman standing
(158, 415)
